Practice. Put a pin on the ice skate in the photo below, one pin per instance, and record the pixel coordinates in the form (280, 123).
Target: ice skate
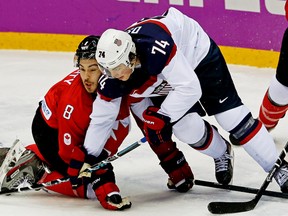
(281, 177)
(224, 166)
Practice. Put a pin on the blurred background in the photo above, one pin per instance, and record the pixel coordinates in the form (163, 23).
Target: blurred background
(249, 32)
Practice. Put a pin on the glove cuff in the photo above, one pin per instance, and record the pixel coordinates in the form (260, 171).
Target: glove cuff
(91, 159)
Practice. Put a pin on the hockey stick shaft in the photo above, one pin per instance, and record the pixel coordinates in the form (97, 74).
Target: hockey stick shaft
(234, 207)
(90, 169)
(239, 188)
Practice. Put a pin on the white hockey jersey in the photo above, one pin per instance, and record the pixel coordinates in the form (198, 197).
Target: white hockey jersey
(169, 48)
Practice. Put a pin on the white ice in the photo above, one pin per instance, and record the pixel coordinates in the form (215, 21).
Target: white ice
(25, 76)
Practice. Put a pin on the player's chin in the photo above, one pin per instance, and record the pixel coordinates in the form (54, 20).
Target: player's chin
(124, 78)
(90, 89)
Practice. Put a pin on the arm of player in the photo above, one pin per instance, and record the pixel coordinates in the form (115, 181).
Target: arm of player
(103, 117)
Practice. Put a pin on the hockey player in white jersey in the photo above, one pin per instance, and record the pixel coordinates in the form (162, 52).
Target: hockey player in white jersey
(172, 55)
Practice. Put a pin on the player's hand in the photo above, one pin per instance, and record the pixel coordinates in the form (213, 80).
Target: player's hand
(80, 161)
(157, 127)
(77, 166)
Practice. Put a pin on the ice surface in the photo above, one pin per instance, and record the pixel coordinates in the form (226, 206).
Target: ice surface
(25, 78)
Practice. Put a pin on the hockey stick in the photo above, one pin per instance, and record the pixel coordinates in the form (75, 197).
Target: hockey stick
(234, 207)
(90, 169)
(239, 188)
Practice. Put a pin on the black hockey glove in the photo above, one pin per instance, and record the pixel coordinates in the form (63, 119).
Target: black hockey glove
(79, 162)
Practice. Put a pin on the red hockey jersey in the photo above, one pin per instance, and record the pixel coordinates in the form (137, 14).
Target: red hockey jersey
(67, 106)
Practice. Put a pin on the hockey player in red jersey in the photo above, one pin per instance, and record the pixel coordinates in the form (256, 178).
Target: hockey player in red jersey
(172, 55)
(275, 101)
(59, 128)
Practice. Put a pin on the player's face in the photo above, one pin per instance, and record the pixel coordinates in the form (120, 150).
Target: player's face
(90, 74)
(121, 72)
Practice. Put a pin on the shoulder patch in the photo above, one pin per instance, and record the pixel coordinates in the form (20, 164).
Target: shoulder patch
(45, 110)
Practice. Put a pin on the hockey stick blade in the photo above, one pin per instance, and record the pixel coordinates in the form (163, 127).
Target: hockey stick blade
(231, 207)
(90, 169)
(240, 188)
(234, 207)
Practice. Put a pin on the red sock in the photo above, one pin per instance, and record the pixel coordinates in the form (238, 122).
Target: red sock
(270, 113)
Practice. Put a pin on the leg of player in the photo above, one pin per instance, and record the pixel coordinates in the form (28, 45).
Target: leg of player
(206, 139)
(175, 165)
(21, 168)
(158, 131)
(275, 101)
(255, 139)
(270, 112)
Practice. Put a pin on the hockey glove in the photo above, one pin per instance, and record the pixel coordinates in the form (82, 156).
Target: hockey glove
(107, 191)
(102, 180)
(79, 162)
(157, 127)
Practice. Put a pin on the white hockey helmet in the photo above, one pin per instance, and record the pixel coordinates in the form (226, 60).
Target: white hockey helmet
(114, 48)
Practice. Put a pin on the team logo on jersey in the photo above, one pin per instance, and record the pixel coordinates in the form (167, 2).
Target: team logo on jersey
(162, 89)
(45, 110)
(67, 139)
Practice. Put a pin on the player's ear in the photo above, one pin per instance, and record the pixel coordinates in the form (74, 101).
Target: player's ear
(133, 59)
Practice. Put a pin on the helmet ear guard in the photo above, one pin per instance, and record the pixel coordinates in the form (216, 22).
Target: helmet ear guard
(86, 49)
(115, 47)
